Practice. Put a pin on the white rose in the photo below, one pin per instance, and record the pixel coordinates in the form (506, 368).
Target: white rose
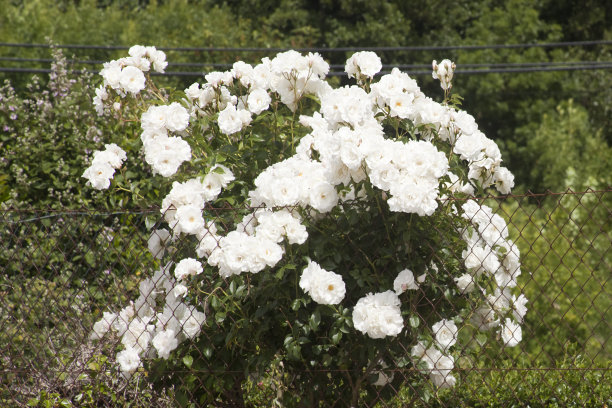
(190, 219)
(132, 79)
(157, 242)
(446, 333)
(99, 175)
(177, 117)
(404, 281)
(129, 360)
(366, 63)
(258, 101)
(323, 197)
(325, 287)
(112, 74)
(465, 283)
(511, 333)
(378, 315)
(187, 267)
(192, 322)
(164, 342)
(229, 120)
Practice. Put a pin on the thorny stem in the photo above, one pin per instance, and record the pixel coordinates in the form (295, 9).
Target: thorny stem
(409, 232)
(357, 385)
(384, 220)
(292, 131)
(275, 134)
(226, 295)
(138, 196)
(155, 90)
(363, 253)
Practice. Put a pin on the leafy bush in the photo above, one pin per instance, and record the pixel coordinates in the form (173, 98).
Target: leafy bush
(47, 138)
(242, 185)
(62, 257)
(570, 382)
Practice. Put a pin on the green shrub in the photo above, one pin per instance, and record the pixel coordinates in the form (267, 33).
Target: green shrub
(60, 271)
(571, 382)
(47, 138)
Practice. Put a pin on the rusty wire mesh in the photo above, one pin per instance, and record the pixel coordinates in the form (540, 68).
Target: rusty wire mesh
(60, 269)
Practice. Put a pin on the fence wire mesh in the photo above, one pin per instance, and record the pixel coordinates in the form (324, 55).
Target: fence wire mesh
(60, 270)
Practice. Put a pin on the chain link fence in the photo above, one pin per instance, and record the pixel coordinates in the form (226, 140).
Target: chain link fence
(60, 270)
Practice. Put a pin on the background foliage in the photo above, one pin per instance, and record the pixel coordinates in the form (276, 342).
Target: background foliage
(511, 108)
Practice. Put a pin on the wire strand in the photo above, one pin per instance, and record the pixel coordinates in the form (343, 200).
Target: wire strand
(334, 66)
(323, 49)
(342, 73)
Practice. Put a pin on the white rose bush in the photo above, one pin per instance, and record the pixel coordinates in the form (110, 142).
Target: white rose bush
(331, 232)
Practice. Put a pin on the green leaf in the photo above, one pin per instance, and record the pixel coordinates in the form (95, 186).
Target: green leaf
(220, 317)
(315, 320)
(214, 302)
(481, 339)
(90, 259)
(414, 321)
(288, 340)
(188, 361)
(296, 304)
(150, 222)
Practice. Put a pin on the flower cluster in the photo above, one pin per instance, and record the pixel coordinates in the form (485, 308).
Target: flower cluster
(490, 252)
(290, 75)
(163, 152)
(126, 75)
(295, 181)
(444, 72)
(256, 241)
(484, 160)
(182, 207)
(103, 166)
(148, 330)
